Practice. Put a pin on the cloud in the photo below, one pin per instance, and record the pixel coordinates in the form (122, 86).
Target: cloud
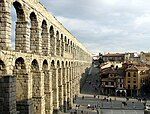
(106, 25)
(142, 21)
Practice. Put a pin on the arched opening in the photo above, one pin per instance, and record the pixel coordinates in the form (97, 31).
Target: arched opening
(123, 93)
(71, 47)
(60, 89)
(5, 24)
(118, 93)
(64, 87)
(66, 44)
(34, 33)
(55, 87)
(62, 45)
(2, 68)
(47, 87)
(21, 31)
(52, 41)
(36, 87)
(45, 39)
(57, 44)
(68, 85)
(22, 79)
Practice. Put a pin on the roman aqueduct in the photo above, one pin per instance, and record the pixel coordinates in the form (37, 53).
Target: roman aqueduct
(48, 60)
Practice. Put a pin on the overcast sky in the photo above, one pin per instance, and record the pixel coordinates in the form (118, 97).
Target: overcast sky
(105, 25)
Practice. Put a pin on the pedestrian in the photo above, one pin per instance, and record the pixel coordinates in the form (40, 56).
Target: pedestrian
(110, 99)
(107, 100)
(78, 106)
(75, 97)
(98, 96)
(82, 97)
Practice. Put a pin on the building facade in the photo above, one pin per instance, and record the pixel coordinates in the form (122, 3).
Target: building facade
(112, 81)
(136, 77)
(48, 60)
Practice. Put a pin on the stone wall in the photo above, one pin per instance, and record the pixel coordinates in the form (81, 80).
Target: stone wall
(8, 95)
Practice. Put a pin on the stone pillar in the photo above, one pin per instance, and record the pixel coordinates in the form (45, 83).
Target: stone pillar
(55, 91)
(60, 89)
(62, 48)
(58, 47)
(38, 92)
(53, 45)
(8, 95)
(35, 40)
(70, 83)
(5, 26)
(64, 80)
(65, 97)
(48, 92)
(45, 43)
(68, 89)
(22, 36)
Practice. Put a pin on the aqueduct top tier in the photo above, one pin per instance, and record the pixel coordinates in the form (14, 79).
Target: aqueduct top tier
(38, 31)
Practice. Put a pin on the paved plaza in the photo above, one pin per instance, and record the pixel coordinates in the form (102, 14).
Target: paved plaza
(99, 106)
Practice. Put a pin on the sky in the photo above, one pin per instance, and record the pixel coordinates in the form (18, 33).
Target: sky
(105, 25)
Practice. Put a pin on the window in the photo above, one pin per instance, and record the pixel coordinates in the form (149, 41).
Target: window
(128, 86)
(121, 85)
(128, 81)
(134, 86)
(112, 83)
(134, 81)
(134, 75)
(129, 74)
(106, 83)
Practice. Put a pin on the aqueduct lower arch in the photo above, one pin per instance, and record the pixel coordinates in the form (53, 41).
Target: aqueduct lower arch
(48, 61)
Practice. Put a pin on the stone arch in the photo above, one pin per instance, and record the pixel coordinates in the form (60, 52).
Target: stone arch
(5, 26)
(2, 68)
(45, 38)
(57, 43)
(22, 79)
(71, 47)
(62, 45)
(123, 93)
(19, 11)
(36, 87)
(66, 44)
(52, 41)
(34, 33)
(45, 65)
(22, 29)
